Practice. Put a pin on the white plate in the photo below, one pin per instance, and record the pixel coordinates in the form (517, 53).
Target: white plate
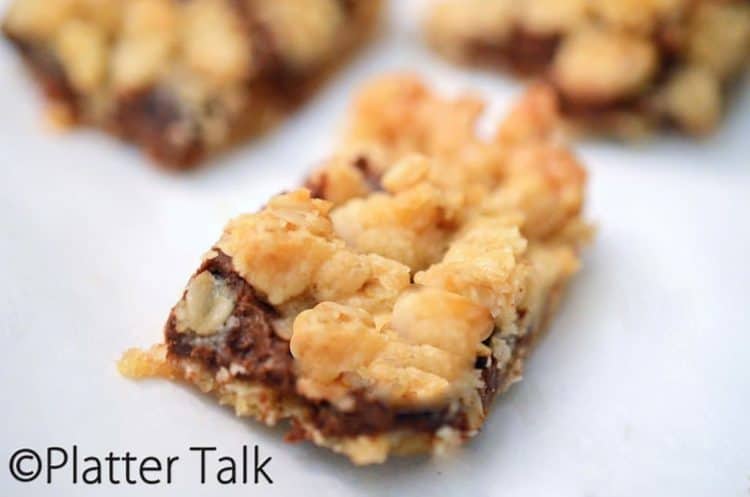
(642, 386)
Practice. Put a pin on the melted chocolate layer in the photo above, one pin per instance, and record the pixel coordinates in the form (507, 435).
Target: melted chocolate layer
(251, 343)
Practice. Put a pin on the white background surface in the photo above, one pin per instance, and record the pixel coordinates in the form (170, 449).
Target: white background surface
(641, 388)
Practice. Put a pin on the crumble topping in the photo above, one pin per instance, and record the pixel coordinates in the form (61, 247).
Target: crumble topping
(289, 250)
(395, 288)
(426, 351)
(622, 65)
(408, 223)
(484, 264)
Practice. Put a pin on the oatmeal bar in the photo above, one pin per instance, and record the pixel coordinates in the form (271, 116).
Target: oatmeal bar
(381, 309)
(183, 79)
(621, 67)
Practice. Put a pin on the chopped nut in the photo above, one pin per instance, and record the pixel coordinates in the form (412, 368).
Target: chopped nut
(501, 352)
(207, 305)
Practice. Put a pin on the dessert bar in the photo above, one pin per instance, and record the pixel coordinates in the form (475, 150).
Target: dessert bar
(381, 309)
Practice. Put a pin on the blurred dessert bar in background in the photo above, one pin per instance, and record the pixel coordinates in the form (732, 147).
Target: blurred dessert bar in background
(183, 79)
(619, 67)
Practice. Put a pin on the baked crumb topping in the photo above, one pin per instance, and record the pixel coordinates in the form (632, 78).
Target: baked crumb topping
(394, 287)
(422, 357)
(650, 56)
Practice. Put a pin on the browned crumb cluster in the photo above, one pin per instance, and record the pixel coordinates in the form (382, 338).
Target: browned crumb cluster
(618, 66)
(383, 308)
(183, 78)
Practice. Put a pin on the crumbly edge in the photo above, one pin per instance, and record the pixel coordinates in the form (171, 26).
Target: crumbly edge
(264, 404)
(270, 103)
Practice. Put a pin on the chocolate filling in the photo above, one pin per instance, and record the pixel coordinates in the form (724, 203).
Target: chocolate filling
(263, 357)
(250, 343)
(146, 117)
(524, 52)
